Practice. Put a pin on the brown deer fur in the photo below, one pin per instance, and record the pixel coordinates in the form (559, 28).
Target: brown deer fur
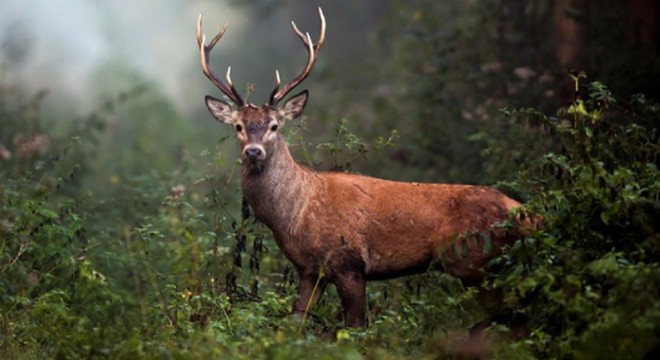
(357, 228)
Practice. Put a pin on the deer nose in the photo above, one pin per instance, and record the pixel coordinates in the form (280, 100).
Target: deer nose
(253, 153)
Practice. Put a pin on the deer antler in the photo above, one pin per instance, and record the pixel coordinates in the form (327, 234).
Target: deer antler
(277, 94)
(204, 52)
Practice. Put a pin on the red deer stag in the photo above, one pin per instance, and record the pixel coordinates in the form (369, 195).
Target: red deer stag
(349, 228)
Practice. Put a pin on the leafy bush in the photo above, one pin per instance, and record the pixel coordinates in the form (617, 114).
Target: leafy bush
(588, 283)
(47, 283)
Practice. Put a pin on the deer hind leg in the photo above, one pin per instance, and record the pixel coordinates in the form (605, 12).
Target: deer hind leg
(490, 301)
(346, 269)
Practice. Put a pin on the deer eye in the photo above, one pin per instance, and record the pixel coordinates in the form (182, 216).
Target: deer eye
(273, 127)
(239, 128)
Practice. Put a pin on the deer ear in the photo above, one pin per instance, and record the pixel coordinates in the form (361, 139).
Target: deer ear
(220, 110)
(294, 106)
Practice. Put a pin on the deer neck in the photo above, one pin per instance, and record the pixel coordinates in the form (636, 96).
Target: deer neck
(277, 191)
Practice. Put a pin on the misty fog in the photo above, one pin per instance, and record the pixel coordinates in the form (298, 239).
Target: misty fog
(79, 50)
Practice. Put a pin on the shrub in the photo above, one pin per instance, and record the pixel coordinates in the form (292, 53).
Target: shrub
(588, 282)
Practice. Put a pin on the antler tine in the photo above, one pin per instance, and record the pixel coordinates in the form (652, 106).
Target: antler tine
(305, 38)
(278, 81)
(313, 50)
(204, 52)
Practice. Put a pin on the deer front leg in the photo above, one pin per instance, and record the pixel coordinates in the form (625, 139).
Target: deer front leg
(347, 270)
(351, 289)
(307, 293)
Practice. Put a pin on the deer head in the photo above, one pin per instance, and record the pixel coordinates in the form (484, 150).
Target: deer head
(258, 127)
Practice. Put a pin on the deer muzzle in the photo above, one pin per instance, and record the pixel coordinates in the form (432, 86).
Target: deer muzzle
(254, 153)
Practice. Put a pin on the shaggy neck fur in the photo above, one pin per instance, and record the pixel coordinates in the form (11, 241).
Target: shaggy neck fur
(277, 189)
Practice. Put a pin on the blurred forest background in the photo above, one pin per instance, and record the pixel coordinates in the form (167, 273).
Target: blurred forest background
(122, 232)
